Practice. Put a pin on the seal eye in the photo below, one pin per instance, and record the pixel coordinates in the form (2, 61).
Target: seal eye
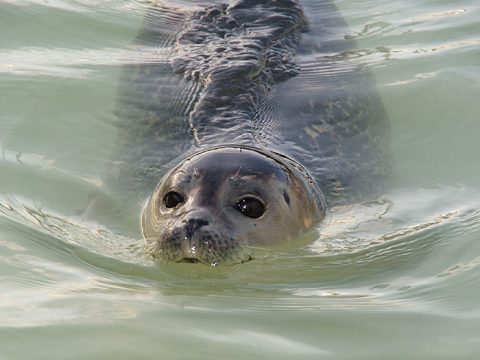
(172, 199)
(251, 207)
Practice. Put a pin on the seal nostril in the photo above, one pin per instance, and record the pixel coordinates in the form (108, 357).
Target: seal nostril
(192, 225)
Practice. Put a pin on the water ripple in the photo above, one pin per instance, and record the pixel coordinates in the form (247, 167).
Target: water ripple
(79, 63)
(79, 5)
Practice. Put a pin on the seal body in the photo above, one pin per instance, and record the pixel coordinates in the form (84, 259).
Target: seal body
(242, 123)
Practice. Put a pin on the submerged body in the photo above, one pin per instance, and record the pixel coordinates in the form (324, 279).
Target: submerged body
(246, 123)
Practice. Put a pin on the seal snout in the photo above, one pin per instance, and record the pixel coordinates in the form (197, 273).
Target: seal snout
(196, 237)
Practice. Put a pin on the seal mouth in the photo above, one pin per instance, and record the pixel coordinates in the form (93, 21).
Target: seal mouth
(190, 260)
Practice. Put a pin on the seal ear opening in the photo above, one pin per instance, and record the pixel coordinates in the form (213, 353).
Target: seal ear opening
(286, 197)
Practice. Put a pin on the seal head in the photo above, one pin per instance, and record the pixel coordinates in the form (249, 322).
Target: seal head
(219, 203)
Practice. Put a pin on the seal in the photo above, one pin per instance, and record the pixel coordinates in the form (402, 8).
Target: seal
(243, 123)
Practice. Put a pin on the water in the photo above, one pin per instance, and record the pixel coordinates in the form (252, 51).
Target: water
(393, 278)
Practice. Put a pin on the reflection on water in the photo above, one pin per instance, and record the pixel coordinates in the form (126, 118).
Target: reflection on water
(394, 277)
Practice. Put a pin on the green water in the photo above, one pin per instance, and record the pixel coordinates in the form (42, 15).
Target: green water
(395, 278)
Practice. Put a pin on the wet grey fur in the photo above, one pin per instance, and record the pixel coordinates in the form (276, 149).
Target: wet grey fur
(259, 73)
